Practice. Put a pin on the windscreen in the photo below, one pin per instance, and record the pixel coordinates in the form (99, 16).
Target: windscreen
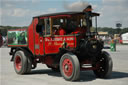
(70, 24)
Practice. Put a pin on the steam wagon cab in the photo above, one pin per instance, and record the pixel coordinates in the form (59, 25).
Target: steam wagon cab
(63, 41)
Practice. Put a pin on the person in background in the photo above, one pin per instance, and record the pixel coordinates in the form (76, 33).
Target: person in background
(1, 40)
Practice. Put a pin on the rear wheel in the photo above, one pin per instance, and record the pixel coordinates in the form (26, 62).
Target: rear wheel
(104, 66)
(70, 67)
(22, 64)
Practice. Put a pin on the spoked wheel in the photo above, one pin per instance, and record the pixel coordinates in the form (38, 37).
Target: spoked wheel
(22, 64)
(70, 67)
(104, 66)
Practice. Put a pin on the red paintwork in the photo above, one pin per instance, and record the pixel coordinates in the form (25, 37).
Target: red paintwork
(31, 37)
(43, 17)
(36, 37)
(41, 44)
(55, 16)
(79, 30)
(48, 45)
(48, 60)
(67, 67)
(60, 16)
(34, 40)
(18, 63)
(52, 44)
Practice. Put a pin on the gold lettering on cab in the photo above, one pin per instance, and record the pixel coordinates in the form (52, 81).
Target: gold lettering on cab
(59, 39)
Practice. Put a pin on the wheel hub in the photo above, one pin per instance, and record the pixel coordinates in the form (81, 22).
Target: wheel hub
(67, 67)
(101, 66)
(18, 63)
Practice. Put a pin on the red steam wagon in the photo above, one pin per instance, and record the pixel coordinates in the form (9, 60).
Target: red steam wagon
(64, 41)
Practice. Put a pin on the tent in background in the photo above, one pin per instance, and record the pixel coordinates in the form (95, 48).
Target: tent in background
(124, 38)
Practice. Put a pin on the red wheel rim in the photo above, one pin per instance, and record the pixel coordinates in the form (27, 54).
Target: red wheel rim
(67, 67)
(18, 63)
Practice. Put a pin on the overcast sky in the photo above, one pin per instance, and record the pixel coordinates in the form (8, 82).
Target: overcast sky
(20, 12)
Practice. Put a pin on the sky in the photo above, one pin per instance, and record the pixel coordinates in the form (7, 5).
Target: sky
(20, 12)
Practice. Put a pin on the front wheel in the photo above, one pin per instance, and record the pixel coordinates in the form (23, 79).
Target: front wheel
(103, 65)
(70, 67)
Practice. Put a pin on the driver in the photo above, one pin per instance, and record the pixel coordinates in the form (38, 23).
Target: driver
(61, 31)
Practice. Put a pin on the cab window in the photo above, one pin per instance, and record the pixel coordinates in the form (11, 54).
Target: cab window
(47, 26)
(40, 27)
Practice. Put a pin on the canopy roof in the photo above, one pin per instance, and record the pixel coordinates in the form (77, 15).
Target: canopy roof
(64, 13)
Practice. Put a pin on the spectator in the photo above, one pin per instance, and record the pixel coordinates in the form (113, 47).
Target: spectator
(1, 40)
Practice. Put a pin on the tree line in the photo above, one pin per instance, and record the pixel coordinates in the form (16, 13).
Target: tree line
(111, 31)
